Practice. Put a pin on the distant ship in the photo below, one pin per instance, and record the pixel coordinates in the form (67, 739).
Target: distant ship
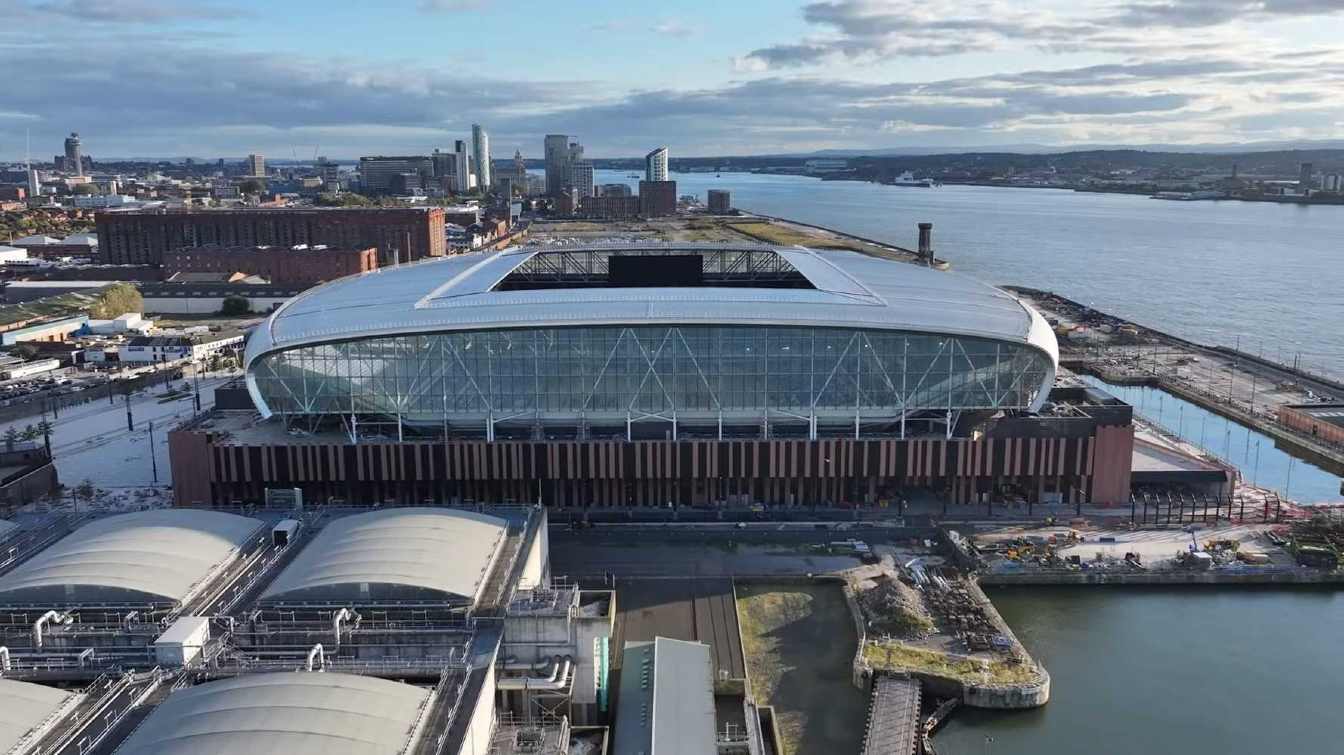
(908, 179)
(633, 175)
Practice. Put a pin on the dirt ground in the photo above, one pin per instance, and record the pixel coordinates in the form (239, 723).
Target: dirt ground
(799, 641)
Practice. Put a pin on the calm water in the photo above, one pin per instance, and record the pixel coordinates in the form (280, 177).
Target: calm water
(1271, 275)
(1222, 672)
(1252, 452)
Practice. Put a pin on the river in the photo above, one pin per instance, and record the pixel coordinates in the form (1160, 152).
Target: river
(1267, 276)
(1194, 671)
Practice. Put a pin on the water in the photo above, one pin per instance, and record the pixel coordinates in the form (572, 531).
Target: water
(1268, 276)
(1222, 672)
(1254, 453)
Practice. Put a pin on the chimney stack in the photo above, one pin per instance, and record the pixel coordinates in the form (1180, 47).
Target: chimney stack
(926, 242)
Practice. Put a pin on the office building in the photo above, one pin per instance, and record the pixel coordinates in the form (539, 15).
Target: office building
(609, 207)
(256, 165)
(655, 165)
(614, 190)
(281, 266)
(557, 159)
(378, 175)
(462, 178)
(760, 374)
(1305, 175)
(657, 198)
(480, 152)
(140, 237)
(720, 202)
(581, 179)
(73, 160)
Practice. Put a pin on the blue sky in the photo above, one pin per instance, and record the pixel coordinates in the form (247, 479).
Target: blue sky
(163, 78)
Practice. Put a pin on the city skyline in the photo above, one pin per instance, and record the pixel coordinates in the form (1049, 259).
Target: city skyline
(704, 79)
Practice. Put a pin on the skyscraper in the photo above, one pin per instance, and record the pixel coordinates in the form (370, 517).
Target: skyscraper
(74, 160)
(581, 178)
(1304, 177)
(480, 150)
(655, 165)
(557, 157)
(462, 164)
(256, 165)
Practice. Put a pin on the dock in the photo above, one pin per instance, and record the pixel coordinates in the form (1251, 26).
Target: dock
(893, 717)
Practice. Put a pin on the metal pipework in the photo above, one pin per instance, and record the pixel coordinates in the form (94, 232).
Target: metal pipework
(56, 616)
(345, 614)
(319, 655)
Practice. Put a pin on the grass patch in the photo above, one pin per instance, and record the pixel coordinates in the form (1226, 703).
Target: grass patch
(799, 642)
(773, 233)
(891, 656)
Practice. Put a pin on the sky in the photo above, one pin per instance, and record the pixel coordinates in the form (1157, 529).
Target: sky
(163, 78)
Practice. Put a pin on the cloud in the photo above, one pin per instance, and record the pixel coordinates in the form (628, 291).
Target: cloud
(452, 6)
(872, 30)
(129, 11)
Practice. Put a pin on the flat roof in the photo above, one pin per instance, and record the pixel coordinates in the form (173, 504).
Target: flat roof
(667, 699)
(849, 290)
(394, 554)
(154, 556)
(26, 709)
(1331, 413)
(297, 713)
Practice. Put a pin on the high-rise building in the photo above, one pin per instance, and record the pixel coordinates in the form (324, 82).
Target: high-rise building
(655, 165)
(519, 168)
(557, 157)
(480, 150)
(461, 167)
(144, 237)
(34, 185)
(256, 165)
(1304, 178)
(720, 202)
(330, 173)
(378, 174)
(581, 179)
(657, 198)
(74, 160)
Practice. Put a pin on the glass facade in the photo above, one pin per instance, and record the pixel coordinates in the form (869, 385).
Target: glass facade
(699, 374)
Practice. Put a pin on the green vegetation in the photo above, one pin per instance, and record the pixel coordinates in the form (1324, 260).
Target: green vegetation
(40, 222)
(84, 189)
(49, 306)
(895, 656)
(773, 233)
(235, 305)
(799, 642)
(116, 300)
(251, 186)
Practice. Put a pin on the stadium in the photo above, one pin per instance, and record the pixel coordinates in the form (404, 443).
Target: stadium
(643, 374)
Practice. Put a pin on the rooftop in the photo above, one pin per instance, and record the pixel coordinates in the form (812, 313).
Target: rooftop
(667, 699)
(147, 556)
(1331, 413)
(394, 554)
(284, 714)
(830, 288)
(26, 709)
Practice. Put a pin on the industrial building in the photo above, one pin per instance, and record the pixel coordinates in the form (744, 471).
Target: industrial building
(408, 630)
(643, 374)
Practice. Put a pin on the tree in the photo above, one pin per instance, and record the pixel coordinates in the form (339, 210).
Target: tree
(251, 186)
(85, 490)
(11, 438)
(29, 434)
(235, 305)
(84, 189)
(116, 300)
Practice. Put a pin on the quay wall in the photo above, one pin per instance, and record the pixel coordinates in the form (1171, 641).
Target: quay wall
(1308, 577)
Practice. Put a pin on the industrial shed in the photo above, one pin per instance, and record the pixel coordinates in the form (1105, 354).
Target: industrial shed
(284, 714)
(407, 554)
(147, 557)
(27, 710)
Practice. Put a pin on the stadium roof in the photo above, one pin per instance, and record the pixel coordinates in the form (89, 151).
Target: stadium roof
(848, 289)
(283, 714)
(412, 553)
(25, 709)
(158, 555)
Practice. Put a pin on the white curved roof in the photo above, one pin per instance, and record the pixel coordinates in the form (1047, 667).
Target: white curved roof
(851, 290)
(160, 554)
(394, 553)
(283, 714)
(26, 709)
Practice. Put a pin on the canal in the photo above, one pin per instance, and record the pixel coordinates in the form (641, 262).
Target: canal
(1261, 461)
(1225, 671)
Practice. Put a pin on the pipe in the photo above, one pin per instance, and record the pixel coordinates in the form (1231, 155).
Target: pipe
(56, 616)
(4, 658)
(345, 614)
(319, 655)
(559, 678)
